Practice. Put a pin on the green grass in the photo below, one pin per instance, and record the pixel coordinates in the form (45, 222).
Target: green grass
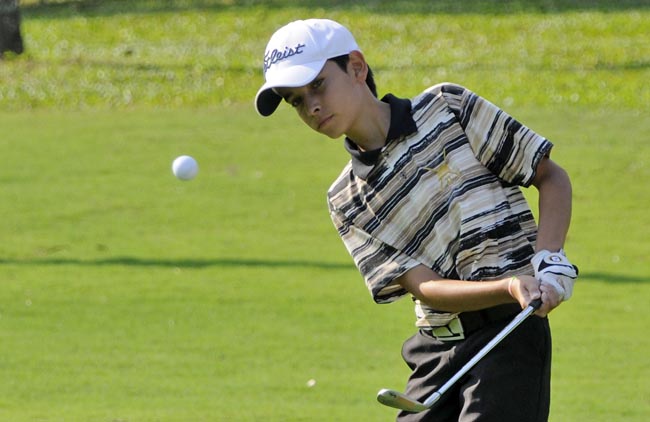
(127, 295)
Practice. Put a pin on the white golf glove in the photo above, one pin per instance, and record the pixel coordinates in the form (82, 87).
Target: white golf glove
(554, 268)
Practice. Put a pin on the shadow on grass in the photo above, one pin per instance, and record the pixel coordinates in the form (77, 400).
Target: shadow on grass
(54, 8)
(128, 261)
(153, 68)
(611, 277)
(188, 263)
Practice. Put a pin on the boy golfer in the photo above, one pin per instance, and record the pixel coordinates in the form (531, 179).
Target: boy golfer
(430, 205)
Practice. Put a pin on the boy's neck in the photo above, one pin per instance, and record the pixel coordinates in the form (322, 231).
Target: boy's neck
(370, 133)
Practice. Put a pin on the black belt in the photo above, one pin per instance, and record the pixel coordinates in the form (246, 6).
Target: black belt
(475, 320)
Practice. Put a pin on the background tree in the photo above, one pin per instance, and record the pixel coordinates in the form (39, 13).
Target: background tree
(10, 38)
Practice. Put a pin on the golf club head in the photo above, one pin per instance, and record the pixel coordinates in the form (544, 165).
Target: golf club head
(398, 400)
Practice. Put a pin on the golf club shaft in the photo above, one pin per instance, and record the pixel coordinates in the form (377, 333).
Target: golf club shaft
(521, 317)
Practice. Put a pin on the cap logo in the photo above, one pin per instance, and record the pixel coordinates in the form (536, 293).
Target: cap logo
(275, 56)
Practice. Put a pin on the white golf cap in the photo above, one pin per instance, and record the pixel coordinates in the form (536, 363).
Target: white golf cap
(295, 55)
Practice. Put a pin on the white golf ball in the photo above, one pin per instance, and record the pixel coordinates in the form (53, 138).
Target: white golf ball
(185, 167)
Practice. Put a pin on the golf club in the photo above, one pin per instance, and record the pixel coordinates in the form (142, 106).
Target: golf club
(401, 401)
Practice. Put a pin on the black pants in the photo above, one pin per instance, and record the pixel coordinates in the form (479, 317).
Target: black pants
(510, 384)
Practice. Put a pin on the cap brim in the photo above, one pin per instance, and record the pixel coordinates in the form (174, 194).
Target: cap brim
(267, 101)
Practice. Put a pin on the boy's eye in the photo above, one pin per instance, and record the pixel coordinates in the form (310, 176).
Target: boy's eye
(293, 101)
(297, 101)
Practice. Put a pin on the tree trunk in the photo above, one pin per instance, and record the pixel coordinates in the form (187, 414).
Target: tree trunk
(10, 38)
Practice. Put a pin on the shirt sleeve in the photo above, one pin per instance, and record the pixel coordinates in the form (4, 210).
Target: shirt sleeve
(506, 147)
(379, 263)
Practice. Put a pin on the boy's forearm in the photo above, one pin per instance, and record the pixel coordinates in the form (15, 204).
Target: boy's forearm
(456, 295)
(463, 296)
(554, 208)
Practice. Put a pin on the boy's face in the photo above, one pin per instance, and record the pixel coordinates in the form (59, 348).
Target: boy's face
(330, 104)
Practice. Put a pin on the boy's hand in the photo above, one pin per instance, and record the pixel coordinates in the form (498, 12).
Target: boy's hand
(526, 288)
(554, 269)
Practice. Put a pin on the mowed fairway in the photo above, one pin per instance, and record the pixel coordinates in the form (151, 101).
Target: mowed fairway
(127, 295)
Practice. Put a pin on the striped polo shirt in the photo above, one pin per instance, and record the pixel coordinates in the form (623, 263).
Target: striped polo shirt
(443, 192)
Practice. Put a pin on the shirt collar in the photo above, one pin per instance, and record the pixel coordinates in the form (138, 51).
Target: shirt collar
(401, 125)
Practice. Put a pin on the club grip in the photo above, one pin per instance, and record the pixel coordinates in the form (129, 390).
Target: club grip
(536, 303)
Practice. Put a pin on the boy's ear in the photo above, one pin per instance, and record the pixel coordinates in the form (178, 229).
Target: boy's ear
(358, 65)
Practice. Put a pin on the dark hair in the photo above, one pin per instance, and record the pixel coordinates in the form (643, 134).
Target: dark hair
(342, 62)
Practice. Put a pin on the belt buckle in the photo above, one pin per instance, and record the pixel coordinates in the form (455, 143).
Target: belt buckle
(452, 331)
